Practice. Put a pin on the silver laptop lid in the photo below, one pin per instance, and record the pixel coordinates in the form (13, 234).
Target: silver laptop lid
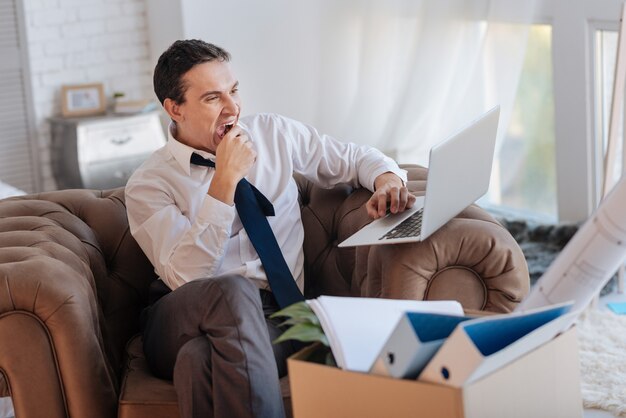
(459, 171)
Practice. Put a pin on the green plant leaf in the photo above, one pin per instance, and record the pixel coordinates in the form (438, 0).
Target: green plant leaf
(305, 332)
(299, 311)
(295, 321)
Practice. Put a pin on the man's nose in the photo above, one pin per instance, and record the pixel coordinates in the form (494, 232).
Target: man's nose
(231, 105)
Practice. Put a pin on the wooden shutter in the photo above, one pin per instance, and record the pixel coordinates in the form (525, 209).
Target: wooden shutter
(18, 146)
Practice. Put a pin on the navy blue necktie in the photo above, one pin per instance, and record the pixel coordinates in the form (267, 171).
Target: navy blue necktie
(253, 208)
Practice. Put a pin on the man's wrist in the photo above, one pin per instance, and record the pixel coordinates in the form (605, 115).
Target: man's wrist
(223, 189)
(387, 178)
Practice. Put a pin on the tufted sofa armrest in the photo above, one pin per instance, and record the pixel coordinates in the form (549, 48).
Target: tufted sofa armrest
(72, 281)
(472, 259)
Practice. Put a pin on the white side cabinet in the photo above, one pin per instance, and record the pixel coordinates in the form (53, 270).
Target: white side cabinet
(102, 152)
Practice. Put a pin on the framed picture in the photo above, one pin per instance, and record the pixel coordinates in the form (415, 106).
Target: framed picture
(83, 100)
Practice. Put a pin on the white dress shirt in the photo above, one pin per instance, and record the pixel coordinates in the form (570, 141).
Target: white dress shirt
(189, 235)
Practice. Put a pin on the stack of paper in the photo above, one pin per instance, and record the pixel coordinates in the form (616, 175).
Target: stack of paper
(357, 328)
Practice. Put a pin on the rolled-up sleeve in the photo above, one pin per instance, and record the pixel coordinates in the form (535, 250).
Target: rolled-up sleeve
(327, 161)
(179, 250)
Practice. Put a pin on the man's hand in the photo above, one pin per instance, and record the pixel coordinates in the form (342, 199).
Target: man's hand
(390, 192)
(234, 157)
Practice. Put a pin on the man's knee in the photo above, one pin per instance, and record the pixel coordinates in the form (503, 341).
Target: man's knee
(235, 285)
(193, 377)
(234, 295)
(222, 289)
(193, 358)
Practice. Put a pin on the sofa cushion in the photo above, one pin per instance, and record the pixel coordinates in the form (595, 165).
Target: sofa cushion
(143, 395)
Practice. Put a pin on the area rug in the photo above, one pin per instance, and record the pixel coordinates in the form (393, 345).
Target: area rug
(602, 344)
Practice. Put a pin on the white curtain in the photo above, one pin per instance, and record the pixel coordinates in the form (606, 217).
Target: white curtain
(405, 74)
(400, 75)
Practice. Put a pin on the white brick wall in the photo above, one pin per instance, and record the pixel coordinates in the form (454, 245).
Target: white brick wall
(84, 41)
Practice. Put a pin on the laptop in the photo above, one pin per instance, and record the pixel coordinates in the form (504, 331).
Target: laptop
(459, 170)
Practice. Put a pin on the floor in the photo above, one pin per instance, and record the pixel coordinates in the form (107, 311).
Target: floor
(596, 413)
(601, 304)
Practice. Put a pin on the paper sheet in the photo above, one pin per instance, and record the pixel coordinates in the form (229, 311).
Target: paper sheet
(357, 328)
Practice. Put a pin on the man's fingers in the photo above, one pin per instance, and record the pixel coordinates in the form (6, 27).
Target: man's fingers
(382, 205)
(377, 205)
(234, 132)
(394, 199)
(402, 199)
(410, 201)
(372, 208)
(397, 199)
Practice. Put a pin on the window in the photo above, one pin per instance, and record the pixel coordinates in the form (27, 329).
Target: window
(18, 159)
(524, 177)
(577, 52)
(605, 60)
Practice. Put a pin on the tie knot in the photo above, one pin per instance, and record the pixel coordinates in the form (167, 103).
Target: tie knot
(197, 159)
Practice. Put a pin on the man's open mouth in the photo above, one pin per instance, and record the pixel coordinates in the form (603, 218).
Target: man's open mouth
(223, 129)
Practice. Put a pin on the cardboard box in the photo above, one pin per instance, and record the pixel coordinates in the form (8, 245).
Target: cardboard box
(543, 383)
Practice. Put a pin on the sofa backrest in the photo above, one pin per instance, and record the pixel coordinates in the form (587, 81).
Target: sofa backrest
(88, 229)
(329, 216)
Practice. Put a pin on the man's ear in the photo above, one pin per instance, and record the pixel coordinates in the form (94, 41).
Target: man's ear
(173, 109)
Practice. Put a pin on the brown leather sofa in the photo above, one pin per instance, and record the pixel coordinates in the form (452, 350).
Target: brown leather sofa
(73, 282)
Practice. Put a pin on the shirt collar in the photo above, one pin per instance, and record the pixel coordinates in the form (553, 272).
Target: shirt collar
(181, 152)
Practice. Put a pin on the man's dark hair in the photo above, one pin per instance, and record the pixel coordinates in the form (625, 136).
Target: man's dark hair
(179, 58)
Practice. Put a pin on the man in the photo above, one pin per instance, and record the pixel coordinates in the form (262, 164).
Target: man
(207, 328)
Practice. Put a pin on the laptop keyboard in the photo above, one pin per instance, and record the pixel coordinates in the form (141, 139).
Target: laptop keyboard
(410, 227)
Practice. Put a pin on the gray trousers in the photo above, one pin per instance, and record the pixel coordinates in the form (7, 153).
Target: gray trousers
(212, 338)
